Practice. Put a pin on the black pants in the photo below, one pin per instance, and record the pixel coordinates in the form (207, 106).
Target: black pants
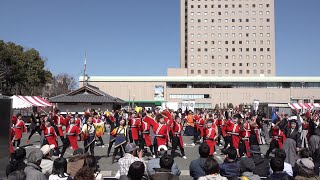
(274, 144)
(253, 139)
(155, 146)
(227, 140)
(18, 143)
(57, 132)
(142, 143)
(109, 148)
(36, 129)
(101, 141)
(175, 144)
(219, 135)
(91, 146)
(242, 148)
(116, 151)
(196, 135)
(66, 144)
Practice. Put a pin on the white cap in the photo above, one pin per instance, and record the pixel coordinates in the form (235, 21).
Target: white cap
(163, 147)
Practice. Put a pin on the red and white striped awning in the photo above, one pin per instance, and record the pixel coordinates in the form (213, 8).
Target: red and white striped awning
(303, 105)
(31, 101)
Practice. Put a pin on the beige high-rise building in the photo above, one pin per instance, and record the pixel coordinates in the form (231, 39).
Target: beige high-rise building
(228, 37)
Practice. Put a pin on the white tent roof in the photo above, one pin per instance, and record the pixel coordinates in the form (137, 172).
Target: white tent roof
(18, 103)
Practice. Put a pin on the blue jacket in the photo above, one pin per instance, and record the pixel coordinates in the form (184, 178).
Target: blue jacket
(229, 169)
(196, 168)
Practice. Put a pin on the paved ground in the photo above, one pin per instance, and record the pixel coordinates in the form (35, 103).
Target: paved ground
(109, 169)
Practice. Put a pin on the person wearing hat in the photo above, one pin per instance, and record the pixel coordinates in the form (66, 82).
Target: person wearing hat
(261, 164)
(246, 169)
(46, 163)
(33, 169)
(210, 135)
(129, 158)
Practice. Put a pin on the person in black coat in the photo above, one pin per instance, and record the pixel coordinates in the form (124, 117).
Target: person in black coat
(17, 162)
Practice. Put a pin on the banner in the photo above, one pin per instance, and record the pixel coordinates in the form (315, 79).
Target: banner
(159, 93)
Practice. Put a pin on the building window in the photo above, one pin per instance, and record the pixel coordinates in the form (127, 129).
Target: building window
(212, 72)
(191, 64)
(248, 71)
(261, 71)
(199, 71)
(269, 71)
(192, 71)
(206, 71)
(233, 71)
(254, 71)
(226, 64)
(227, 72)
(240, 71)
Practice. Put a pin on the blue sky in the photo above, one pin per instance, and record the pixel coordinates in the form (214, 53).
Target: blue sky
(125, 37)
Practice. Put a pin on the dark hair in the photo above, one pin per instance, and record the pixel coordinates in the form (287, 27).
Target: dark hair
(158, 117)
(78, 151)
(166, 161)
(59, 167)
(18, 115)
(211, 166)
(85, 173)
(305, 153)
(287, 178)
(20, 154)
(17, 175)
(204, 150)
(57, 111)
(276, 164)
(136, 170)
(316, 156)
(91, 162)
(231, 152)
(280, 153)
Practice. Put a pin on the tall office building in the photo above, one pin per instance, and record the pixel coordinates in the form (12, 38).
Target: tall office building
(227, 37)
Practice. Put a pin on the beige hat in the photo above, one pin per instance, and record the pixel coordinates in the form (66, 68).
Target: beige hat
(47, 148)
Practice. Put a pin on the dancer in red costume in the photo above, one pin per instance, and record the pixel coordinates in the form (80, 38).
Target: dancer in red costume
(160, 130)
(59, 121)
(72, 133)
(177, 137)
(19, 128)
(210, 135)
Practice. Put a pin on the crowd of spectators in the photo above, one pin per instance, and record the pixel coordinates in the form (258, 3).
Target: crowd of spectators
(40, 165)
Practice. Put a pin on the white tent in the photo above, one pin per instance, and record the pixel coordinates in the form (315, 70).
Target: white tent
(18, 103)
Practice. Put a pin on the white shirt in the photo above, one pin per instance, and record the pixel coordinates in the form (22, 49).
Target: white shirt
(56, 177)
